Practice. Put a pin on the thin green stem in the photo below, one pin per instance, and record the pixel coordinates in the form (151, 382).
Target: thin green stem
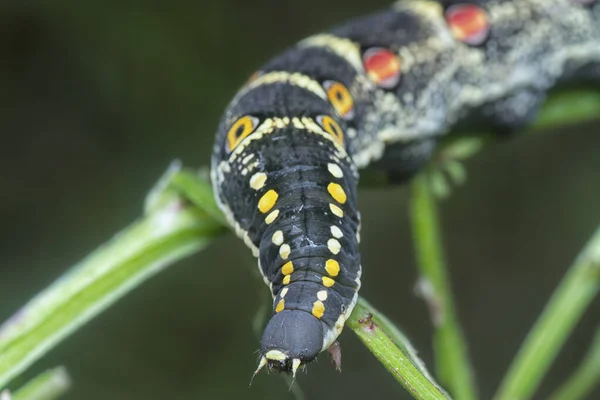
(364, 321)
(49, 385)
(453, 367)
(585, 377)
(553, 327)
(400, 340)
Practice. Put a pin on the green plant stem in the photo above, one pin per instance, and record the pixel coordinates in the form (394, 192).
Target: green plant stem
(364, 322)
(400, 340)
(49, 385)
(585, 377)
(552, 328)
(169, 231)
(454, 370)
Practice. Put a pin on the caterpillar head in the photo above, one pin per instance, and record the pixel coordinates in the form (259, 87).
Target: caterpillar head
(292, 338)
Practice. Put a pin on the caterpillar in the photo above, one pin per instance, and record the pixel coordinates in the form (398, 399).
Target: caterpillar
(379, 91)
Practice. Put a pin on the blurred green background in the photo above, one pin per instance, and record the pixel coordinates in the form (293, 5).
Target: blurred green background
(97, 97)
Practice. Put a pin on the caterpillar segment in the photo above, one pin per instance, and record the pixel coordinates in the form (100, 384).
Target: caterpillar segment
(378, 91)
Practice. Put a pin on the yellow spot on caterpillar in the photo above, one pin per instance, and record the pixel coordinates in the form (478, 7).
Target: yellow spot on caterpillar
(321, 295)
(332, 267)
(327, 281)
(286, 279)
(284, 251)
(271, 217)
(335, 170)
(277, 238)
(283, 292)
(336, 210)
(334, 246)
(318, 309)
(280, 306)
(267, 201)
(337, 192)
(257, 181)
(287, 268)
(336, 232)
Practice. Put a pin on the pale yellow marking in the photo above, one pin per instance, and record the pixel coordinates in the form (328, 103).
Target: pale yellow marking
(337, 192)
(336, 232)
(287, 268)
(253, 165)
(344, 48)
(327, 281)
(332, 267)
(297, 123)
(286, 279)
(257, 181)
(334, 246)
(267, 201)
(277, 238)
(276, 355)
(336, 210)
(321, 295)
(271, 217)
(247, 159)
(284, 251)
(318, 309)
(283, 292)
(294, 78)
(335, 170)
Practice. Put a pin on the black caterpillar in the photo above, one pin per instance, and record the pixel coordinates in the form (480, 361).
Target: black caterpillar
(380, 91)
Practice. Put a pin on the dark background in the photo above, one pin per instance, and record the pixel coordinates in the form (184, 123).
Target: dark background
(97, 97)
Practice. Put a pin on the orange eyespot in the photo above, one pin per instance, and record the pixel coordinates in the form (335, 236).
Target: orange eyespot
(331, 127)
(239, 130)
(340, 98)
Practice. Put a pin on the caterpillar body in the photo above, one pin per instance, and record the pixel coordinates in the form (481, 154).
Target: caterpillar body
(379, 90)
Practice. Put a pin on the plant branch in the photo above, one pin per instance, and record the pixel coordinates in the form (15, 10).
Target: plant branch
(49, 385)
(585, 377)
(169, 231)
(558, 319)
(454, 370)
(369, 325)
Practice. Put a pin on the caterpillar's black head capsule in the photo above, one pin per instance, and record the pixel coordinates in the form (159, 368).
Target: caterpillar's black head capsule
(291, 338)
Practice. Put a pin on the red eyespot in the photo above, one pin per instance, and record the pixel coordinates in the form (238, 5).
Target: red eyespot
(468, 23)
(382, 67)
